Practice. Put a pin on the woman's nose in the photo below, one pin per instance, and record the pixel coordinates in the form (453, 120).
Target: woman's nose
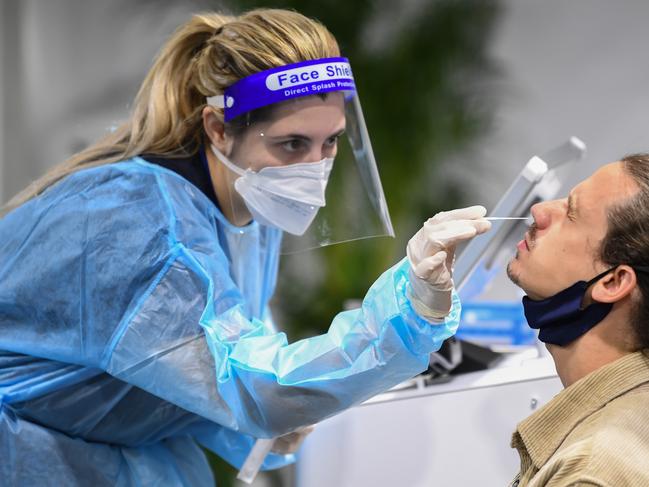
(315, 155)
(329, 148)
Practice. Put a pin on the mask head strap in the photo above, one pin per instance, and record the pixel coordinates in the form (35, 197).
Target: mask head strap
(599, 276)
(227, 163)
(637, 268)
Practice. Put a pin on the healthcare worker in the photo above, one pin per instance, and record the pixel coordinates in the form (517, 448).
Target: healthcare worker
(135, 278)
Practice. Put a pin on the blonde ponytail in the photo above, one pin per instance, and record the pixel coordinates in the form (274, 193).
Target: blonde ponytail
(202, 58)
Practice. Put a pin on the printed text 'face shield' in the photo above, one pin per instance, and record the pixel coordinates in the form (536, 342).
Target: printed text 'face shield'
(299, 158)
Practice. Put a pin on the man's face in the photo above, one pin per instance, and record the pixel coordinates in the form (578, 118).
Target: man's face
(562, 245)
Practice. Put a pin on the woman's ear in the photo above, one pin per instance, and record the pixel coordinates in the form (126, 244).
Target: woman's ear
(615, 286)
(215, 130)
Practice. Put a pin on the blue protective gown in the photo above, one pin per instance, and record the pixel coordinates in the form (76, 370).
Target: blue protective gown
(134, 327)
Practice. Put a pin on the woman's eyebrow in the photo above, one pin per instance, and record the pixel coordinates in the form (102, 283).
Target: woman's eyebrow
(291, 136)
(303, 136)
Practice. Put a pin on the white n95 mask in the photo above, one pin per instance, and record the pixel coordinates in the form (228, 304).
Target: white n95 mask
(284, 197)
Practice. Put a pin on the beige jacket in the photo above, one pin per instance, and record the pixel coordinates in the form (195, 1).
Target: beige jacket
(593, 433)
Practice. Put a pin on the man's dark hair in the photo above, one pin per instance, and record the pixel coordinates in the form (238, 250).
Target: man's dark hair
(627, 240)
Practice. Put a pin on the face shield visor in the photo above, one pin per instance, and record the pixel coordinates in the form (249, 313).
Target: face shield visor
(298, 157)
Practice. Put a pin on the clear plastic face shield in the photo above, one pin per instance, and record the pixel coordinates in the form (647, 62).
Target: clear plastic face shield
(297, 156)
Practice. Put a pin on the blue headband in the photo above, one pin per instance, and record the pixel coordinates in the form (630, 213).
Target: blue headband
(285, 82)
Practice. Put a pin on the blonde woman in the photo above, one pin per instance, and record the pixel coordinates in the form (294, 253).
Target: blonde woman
(135, 277)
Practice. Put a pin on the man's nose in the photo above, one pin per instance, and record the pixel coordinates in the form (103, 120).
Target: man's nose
(543, 213)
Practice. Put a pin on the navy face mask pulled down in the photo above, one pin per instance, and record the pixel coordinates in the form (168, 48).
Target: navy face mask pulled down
(560, 319)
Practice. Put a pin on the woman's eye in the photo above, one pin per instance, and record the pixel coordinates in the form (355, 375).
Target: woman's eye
(293, 145)
(332, 141)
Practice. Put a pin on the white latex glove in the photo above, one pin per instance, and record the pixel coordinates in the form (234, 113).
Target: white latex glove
(431, 253)
(291, 442)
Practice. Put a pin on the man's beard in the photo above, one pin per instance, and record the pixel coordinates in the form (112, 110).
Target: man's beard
(515, 278)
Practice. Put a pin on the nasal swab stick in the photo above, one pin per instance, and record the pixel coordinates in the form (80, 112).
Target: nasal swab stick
(492, 218)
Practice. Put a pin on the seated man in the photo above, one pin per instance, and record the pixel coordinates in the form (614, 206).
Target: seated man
(584, 265)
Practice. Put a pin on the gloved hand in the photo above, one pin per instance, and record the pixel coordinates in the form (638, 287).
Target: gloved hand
(431, 253)
(291, 442)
